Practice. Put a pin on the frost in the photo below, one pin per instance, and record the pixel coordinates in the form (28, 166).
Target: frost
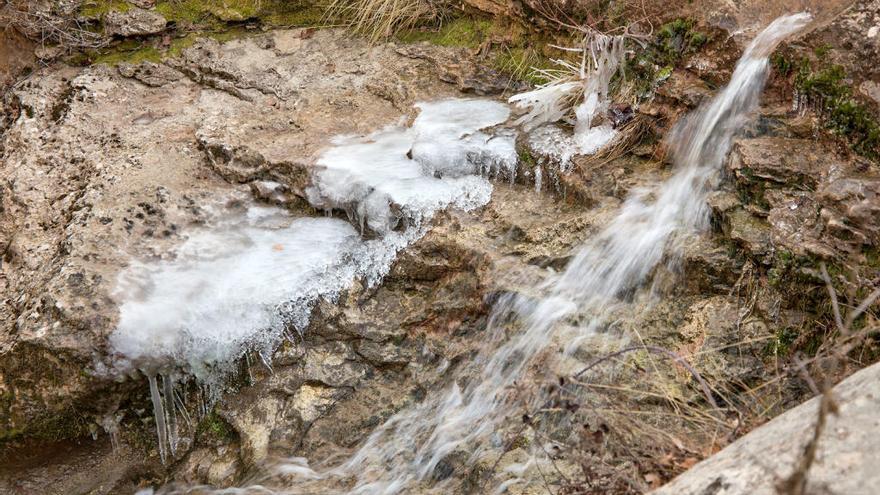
(251, 276)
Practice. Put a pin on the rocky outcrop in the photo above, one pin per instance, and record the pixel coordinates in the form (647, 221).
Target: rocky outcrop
(105, 165)
(757, 463)
(91, 180)
(801, 198)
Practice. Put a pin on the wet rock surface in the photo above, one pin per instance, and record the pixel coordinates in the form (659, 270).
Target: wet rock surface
(100, 167)
(133, 22)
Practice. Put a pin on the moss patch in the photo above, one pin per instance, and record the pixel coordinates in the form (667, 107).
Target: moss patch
(673, 42)
(464, 32)
(95, 9)
(268, 12)
(214, 428)
(827, 88)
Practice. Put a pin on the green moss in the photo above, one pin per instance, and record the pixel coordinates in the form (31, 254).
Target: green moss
(213, 427)
(184, 11)
(50, 428)
(781, 343)
(822, 51)
(526, 158)
(782, 64)
(95, 9)
(466, 32)
(136, 56)
(676, 39)
(651, 66)
(214, 15)
(872, 257)
(827, 88)
(521, 62)
(303, 16)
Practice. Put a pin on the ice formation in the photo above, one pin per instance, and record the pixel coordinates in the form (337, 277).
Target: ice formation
(401, 174)
(587, 83)
(401, 456)
(252, 275)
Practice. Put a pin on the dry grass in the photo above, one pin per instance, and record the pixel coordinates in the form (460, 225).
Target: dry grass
(380, 19)
(636, 417)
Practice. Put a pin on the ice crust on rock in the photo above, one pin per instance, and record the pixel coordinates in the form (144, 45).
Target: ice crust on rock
(223, 289)
(556, 144)
(252, 275)
(399, 176)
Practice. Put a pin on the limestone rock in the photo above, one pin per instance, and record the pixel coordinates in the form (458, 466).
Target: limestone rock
(133, 22)
(815, 202)
(150, 73)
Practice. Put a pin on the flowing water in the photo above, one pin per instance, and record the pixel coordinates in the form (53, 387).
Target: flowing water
(402, 454)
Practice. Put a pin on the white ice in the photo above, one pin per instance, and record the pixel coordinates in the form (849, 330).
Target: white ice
(254, 273)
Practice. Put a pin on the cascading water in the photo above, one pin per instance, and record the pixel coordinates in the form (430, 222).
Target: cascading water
(404, 452)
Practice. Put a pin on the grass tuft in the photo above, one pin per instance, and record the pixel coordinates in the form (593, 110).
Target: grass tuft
(381, 19)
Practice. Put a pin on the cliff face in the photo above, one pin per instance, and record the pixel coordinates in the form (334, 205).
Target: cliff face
(104, 165)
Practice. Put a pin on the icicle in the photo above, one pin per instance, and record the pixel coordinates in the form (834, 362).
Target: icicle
(159, 413)
(170, 410)
(110, 424)
(266, 362)
(183, 411)
(538, 178)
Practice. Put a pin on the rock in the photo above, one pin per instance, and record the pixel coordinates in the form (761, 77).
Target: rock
(683, 88)
(816, 203)
(16, 57)
(49, 52)
(723, 341)
(149, 73)
(216, 466)
(846, 459)
(459, 69)
(133, 22)
(751, 232)
(97, 159)
(792, 163)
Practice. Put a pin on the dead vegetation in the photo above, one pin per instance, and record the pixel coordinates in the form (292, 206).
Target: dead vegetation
(636, 417)
(381, 19)
(47, 23)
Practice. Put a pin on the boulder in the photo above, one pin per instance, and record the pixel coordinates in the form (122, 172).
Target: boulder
(846, 461)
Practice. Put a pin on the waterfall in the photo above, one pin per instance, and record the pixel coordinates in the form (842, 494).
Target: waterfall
(406, 449)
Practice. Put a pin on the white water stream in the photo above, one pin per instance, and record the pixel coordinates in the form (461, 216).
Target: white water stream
(401, 455)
